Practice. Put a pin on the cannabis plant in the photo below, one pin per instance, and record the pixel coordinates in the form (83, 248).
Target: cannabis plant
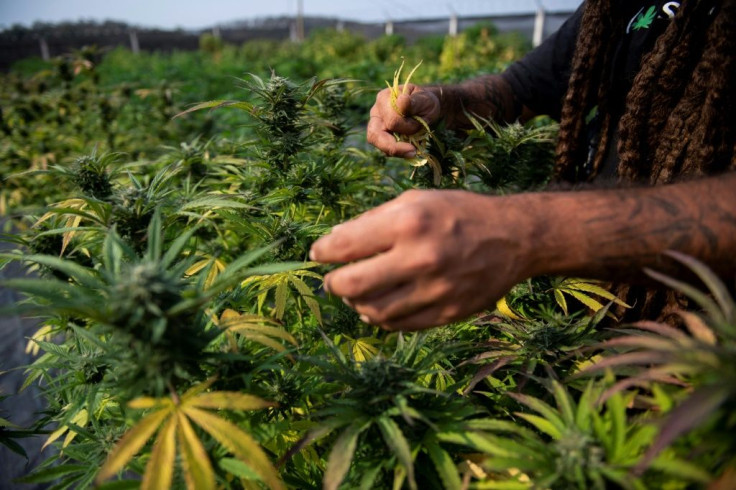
(388, 410)
(574, 444)
(703, 357)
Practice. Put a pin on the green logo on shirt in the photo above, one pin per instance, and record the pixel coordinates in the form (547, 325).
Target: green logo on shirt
(644, 20)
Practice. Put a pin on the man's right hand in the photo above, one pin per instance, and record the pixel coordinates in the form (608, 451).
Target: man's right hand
(384, 121)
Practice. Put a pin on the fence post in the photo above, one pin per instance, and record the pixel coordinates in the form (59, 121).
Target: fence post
(44, 49)
(453, 25)
(300, 20)
(134, 46)
(389, 27)
(538, 35)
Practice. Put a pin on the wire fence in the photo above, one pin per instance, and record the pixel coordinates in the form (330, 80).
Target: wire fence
(47, 41)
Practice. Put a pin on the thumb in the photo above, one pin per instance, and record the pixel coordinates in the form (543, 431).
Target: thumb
(425, 105)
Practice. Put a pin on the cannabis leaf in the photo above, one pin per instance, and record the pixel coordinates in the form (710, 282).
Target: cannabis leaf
(643, 21)
(280, 283)
(256, 328)
(175, 415)
(581, 290)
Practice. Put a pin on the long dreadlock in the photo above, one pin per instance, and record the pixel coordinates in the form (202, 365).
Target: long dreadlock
(680, 115)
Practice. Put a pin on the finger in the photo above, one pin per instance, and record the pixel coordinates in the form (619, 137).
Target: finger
(378, 136)
(425, 105)
(368, 234)
(400, 122)
(420, 320)
(371, 276)
(401, 301)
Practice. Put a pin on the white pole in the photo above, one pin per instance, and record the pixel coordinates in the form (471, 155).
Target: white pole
(389, 27)
(44, 49)
(453, 25)
(300, 20)
(538, 35)
(134, 46)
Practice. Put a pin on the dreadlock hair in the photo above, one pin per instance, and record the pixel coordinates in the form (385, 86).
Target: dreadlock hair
(680, 114)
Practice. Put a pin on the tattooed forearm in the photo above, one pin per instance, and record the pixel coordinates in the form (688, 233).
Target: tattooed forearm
(488, 96)
(614, 234)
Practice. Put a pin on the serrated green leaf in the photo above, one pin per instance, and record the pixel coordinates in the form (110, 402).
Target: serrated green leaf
(444, 465)
(341, 455)
(395, 440)
(47, 475)
(542, 424)
(237, 468)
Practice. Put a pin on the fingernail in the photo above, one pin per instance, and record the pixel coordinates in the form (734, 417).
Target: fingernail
(410, 154)
(312, 255)
(326, 285)
(347, 302)
(365, 319)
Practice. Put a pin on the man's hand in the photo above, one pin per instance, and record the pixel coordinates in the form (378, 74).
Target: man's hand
(432, 257)
(429, 257)
(487, 96)
(418, 101)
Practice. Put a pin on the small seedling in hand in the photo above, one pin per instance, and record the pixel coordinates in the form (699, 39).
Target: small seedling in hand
(421, 138)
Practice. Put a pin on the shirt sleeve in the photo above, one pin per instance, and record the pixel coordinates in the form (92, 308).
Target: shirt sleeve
(539, 80)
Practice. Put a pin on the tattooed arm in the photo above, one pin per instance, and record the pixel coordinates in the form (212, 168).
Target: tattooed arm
(613, 234)
(489, 96)
(432, 257)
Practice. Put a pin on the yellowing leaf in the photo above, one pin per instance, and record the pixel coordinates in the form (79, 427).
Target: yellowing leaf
(228, 315)
(281, 293)
(362, 349)
(217, 267)
(130, 444)
(560, 298)
(80, 419)
(503, 307)
(198, 472)
(230, 400)
(71, 222)
(238, 442)
(246, 324)
(160, 468)
(43, 334)
(146, 402)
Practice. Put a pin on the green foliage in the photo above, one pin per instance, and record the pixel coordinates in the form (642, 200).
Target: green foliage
(181, 326)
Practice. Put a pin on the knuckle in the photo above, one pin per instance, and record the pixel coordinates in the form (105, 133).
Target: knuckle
(414, 221)
(340, 243)
(428, 260)
(451, 312)
(351, 285)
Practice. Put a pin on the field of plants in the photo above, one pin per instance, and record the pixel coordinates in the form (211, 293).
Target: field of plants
(164, 206)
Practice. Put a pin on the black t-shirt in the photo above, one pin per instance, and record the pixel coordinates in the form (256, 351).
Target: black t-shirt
(539, 80)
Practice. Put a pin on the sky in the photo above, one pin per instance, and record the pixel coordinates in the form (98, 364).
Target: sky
(195, 14)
